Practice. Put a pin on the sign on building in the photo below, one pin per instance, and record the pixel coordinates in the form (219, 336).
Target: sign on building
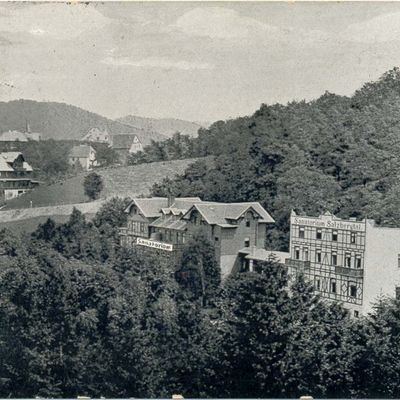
(154, 244)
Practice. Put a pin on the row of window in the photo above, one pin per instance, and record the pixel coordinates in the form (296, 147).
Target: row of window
(334, 235)
(172, 236)
(138, 227)
(349, 260)
(333, 287)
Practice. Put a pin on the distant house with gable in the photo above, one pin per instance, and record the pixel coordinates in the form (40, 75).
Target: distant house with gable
(97, 135)
(83, 154)
(15, 175)
(12, 136)
(125, 144)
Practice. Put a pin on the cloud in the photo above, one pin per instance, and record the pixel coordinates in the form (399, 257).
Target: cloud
(156, 62)
(55, 20)
(219, 23)
(384, 28)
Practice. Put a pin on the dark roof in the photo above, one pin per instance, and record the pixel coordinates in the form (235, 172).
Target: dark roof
(123, 141)
(170, 223)
(152, 207)
(214, 213)
(222, 213)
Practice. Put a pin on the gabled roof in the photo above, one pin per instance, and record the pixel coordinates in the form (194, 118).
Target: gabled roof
(222, 213)
(4, 165)
(13, 136)
(81, 151)
(149, 207)
(8, 158)
(123, 141)
(11, 156)
(169, 223)
(154, 206)
(95, 134)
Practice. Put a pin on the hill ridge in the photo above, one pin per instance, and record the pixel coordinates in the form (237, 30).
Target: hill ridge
(62, 121)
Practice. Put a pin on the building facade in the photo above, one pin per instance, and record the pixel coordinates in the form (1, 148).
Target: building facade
(235, 229)
(97, 135)
(84, 155)
(125, 144)
(15, 176)
(354, 262)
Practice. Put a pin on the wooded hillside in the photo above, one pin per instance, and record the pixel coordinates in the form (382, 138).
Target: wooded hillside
(335, 153)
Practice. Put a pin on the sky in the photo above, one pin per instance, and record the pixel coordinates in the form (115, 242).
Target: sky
(196, 61)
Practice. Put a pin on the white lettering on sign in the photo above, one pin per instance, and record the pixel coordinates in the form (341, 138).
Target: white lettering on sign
(154, 245)
(319, 223)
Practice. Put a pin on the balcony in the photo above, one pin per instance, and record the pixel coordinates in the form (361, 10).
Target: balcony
(356, 273)
(298, 264)
(123, 231)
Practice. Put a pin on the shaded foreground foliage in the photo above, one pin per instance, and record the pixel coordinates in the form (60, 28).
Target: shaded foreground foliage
(78, 319)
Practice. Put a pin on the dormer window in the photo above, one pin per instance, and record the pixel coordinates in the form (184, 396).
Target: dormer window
(247, 242)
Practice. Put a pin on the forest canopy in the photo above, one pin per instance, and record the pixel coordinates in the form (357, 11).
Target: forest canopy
(336, 153)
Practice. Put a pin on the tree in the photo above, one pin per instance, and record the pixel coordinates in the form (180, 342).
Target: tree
(93, 185)
(199, 271)
(254, 319)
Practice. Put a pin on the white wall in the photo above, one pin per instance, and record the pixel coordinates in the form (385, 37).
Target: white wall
(381, 271)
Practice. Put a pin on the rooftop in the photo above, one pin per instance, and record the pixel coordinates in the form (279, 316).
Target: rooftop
(223, 213)
(7, 159)
(124, 140)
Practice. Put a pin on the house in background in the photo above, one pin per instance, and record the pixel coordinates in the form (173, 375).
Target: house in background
(125, 144)
(98, 136)
(12, 136)
(84, 155)
(15, 175)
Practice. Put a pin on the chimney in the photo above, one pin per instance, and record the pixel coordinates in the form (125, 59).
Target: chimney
(171, 200)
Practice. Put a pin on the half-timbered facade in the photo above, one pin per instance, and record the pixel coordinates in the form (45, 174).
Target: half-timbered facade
(350, 261)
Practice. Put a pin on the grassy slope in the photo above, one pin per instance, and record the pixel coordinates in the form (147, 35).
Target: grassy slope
(122, 181)
(26, 220)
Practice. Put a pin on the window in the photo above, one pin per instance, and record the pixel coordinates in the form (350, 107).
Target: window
(398, 260)
(318, 283)
(301, 232)
(333, 286)
(334, 236)
(216, 239)
(352, 237)
(347, 260)
(358, 261)
(246, 242)
(319, 233)
(248, 224)
(356, 314)
(397, 292)
(297, 253)
(334, 259)
(353, 290)
(318, 256)
(305, 254)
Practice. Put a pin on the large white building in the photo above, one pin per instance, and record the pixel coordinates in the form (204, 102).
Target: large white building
(354, 262)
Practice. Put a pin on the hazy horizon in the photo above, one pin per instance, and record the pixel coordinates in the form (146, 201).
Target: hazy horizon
(192, 61)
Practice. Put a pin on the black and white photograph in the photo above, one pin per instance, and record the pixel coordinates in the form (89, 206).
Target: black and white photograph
(199, 200)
